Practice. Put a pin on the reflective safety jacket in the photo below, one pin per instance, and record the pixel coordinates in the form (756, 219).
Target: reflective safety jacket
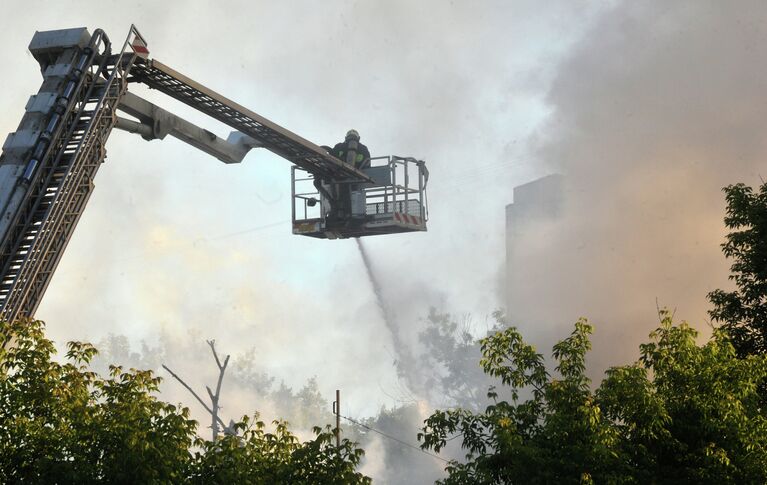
(341, 149)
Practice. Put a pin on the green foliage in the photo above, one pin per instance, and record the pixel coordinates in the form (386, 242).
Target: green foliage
(63, 423)
(258, 457)
(743, 311)
(699, 419)
(683, 414)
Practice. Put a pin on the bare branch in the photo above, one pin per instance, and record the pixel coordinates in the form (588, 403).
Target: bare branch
(657, 309)
(215, 397)
(221, 377)
(193, 394)
(212, 344)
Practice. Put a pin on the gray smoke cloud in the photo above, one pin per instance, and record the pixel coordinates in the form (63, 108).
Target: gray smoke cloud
(654, 110)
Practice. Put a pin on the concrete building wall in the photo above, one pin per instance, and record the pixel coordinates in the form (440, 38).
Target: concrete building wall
(541, 200)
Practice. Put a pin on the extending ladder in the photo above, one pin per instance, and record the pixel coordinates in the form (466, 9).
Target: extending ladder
(61, 181)
(269, 135)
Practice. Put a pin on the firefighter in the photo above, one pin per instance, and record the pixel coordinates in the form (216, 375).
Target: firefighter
(352, 151)
(337, 197)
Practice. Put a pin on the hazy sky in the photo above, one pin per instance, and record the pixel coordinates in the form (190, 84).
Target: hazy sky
(174, 242)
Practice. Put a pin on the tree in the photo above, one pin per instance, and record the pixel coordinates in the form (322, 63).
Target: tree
(63, 423)
(450, 360)
(683, 414)
(259, 457)
(215, 398)
(698, 419)
(743, 311)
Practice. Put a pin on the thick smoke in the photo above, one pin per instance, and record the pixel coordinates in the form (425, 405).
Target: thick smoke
(655, 110)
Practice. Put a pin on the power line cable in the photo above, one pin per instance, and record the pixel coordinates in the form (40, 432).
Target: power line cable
(405, 443)
(243, 231)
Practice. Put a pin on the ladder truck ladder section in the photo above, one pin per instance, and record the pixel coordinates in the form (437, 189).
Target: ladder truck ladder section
(48, 164)
(301, 152)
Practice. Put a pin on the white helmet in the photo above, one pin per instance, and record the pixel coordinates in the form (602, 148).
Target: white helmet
(352, 134)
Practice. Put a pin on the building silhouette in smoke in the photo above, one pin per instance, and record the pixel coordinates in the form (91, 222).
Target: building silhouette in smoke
(539, 201)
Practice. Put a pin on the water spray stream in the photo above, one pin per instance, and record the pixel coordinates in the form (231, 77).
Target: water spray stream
(405, 361)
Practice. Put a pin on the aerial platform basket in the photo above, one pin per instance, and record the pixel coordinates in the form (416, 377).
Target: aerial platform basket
(394, 202)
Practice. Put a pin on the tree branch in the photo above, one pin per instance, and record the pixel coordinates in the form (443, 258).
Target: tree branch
(212, 344)
(221, 377)
(215, 397)
(193, 394)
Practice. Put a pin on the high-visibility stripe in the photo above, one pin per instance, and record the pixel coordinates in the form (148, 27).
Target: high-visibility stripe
(140, 48)
(407, 219)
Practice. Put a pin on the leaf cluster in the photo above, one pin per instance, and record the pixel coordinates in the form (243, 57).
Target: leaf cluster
(255, 456)
(63, 423)
(743, 311)
(683, 413)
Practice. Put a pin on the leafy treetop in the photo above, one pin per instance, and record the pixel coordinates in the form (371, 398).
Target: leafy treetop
(63, 423)
(683, 414)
